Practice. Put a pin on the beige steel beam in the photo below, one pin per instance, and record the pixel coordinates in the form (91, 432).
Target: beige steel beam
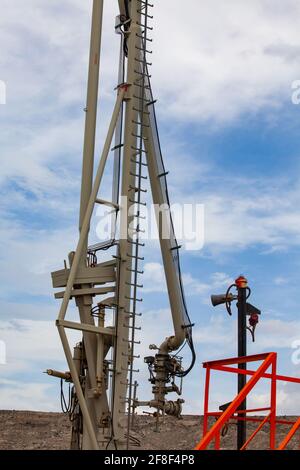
(86, 221)
(86, 327)
(122, 7)
(84, 303)
(89, 291)
(125, 248)
(79, 392)
(91, 109)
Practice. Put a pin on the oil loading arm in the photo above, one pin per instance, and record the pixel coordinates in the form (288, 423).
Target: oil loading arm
(165, 366)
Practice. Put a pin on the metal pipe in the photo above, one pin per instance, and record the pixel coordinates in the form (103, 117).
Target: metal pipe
(118, 138)
(100, 352)
(273, 406)
(59, 375)
(242, 352)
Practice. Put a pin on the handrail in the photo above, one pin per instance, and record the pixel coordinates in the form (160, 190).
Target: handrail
(283, 378)
(289, 436)
(269, 359)
(232, 411)
(264, 421)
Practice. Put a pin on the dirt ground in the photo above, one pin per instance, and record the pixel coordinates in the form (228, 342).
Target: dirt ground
(51, 431)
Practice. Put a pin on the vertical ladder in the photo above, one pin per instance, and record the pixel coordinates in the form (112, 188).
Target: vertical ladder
(141, 72)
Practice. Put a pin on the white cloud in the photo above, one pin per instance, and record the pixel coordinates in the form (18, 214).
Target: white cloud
(154, 281)
(276, 334)
(31, 344)
(215, 281)
(154, 278)
(271, 334)
(17, 395)
(228, 58)
(267, 216)
(29, 256)
(280, 281)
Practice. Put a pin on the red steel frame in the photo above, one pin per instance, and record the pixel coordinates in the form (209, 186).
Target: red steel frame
(232, 412)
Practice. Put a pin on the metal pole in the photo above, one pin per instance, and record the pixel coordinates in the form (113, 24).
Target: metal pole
(118, 137)
(242, 351)
(91, 112)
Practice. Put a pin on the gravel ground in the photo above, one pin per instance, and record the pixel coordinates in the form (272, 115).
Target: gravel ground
(51, 431)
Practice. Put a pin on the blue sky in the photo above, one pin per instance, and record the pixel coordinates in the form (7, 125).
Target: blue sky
(222, 73)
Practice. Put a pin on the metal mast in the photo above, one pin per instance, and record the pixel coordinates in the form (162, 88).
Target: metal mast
(99, 422)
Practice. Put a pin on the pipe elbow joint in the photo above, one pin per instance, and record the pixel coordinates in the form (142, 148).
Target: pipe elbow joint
(171, 344)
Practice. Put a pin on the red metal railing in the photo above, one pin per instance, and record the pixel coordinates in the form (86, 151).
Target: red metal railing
(232, 411)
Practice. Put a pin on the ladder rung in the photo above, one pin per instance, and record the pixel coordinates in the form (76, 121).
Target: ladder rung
(138, 202)
(138, 150)
(141, 258)
(139, 286)
(136, 243)
(140, 111)
(136, 189)
(141, 98)
(133, 342)
(141, 36)
(132, 315)
(131, 355)
(143, 74)
(150, 28)
(144, 62)
(128, 369)
(144, 50)
(138, 136)
(151, 102)
(139, 176)
(133, 298)
(138, 162)
(146, 14)
(143, 2)
(140, 124)
(163, 174)
(138, 230)
(176, 247)
(107, 203)
(132, 327)
(145, 87)
(117, 147)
